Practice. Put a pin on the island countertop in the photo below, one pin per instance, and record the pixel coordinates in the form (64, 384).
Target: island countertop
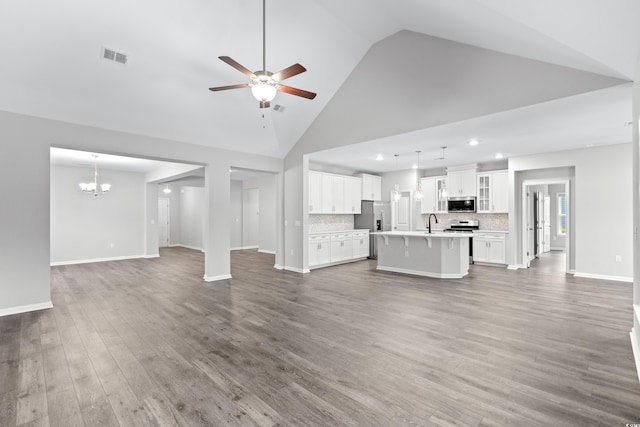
(439, 234)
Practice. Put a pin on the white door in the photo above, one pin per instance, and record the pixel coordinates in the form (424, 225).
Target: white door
(163, 222)
(250, 218)
(546, 225)
(401, 212)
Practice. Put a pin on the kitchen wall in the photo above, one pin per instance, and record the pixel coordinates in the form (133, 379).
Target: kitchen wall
(494, 221)
(321, 223)
(84, 227)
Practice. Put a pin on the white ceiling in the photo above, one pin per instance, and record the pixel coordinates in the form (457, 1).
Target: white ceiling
(52, 68)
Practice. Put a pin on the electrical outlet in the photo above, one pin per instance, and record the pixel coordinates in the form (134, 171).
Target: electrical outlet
(618, 258)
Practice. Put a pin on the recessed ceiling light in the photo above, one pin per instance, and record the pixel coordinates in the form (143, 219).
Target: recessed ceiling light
(379, 157)
(499, 156)
(474, 142)
(414, 166)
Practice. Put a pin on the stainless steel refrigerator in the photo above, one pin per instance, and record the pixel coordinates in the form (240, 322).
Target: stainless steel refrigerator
(375, 216)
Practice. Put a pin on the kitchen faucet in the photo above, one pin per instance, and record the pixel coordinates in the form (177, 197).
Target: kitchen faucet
(429, 223)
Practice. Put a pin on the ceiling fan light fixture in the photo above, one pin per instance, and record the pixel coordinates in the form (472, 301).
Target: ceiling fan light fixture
(263, 92)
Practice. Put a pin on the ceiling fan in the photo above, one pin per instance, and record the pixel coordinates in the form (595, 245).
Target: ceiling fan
(264, 84)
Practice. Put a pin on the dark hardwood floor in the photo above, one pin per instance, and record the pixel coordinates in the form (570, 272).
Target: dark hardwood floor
(146, 342)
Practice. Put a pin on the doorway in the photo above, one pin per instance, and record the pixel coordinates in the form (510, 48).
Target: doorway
(545, 223)
(164, 222)
(401, 212)
(250, 218)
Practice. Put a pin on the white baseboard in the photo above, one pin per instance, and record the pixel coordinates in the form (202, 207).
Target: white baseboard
(262, 251)
(216, 278)
(278, 267)
(603, 277)
(421, 273)
(241, 248)
(635, 345)
(87, 261)
(151, 256)
(515, 266)
(195, 248)
(296, 270)
(558, 248)
(25, 308)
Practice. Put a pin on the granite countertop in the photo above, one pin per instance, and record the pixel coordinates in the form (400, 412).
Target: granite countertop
(439, 234)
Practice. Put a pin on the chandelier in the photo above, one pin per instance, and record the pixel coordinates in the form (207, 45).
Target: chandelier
(92, 187)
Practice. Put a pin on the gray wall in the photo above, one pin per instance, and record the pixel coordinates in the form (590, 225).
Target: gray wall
(25, 214)
(192, 209)
(602, 185)
(84, 227)
(268, 199)
(235, 225)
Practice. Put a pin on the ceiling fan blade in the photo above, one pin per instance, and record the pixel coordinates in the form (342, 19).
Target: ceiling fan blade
(291, 71)
(237, 66)
(298, 92)
(216, 89)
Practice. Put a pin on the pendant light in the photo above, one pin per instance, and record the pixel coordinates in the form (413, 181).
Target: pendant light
(418, 193)
(92, 187)
(443, 190)
(166, 189)
(396, 187)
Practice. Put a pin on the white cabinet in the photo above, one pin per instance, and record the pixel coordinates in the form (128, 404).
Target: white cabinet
(319, 249)
(432, 190)
(489, 247)
(315, 192)
(371, 187)
(360, 244)
(461, 182)
(492, 192)
(334, 194)
(352, 195)
(337, 247)
(341, 246)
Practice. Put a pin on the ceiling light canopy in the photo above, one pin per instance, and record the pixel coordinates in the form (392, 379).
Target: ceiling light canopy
(499, 156)
(474, 142)
(166, 189)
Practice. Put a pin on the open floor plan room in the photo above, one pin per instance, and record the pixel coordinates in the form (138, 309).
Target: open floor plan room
(146, 342)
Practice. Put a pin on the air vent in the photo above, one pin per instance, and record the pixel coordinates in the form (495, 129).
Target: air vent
(279, 108)
(114, 56)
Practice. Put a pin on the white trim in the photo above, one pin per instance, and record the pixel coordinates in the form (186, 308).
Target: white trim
(636, 311)
(515, 266)
(87, 261)
(25, 308)
(603, 277)
(262, 251)
(296, 270)
(635, 346)
(557, 248)
(240, 248)
(195, 248)
(216, 278)
(151, 256)
(422, 273)
(278, 267)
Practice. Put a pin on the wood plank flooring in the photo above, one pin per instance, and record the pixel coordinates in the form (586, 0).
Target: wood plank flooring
(146, 342)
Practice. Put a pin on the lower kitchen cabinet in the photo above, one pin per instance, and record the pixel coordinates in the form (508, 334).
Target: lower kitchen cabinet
(337, 247)
(489, 247)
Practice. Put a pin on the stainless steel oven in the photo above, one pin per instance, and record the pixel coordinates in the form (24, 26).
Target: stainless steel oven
(464, 225)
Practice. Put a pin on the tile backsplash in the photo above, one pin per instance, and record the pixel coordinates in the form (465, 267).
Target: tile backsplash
(319, 223)
(497, 221)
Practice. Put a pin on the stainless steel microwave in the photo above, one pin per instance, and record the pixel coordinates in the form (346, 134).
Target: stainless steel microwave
(461, 204)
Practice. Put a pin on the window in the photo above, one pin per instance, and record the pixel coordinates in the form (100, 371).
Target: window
(562, 214)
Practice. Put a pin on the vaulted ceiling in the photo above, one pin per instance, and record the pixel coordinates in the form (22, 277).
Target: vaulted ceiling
(382, 69)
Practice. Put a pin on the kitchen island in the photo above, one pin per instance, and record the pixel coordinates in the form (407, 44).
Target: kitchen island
(440, 254)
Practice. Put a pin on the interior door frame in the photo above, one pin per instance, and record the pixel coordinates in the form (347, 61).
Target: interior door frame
(569, 248)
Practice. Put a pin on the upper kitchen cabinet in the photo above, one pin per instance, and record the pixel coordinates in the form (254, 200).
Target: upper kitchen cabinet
(371, 187)
(315, 192)
(353, 195)
(461, 181)
(432, 201)
(334, 194)
(492, 192)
